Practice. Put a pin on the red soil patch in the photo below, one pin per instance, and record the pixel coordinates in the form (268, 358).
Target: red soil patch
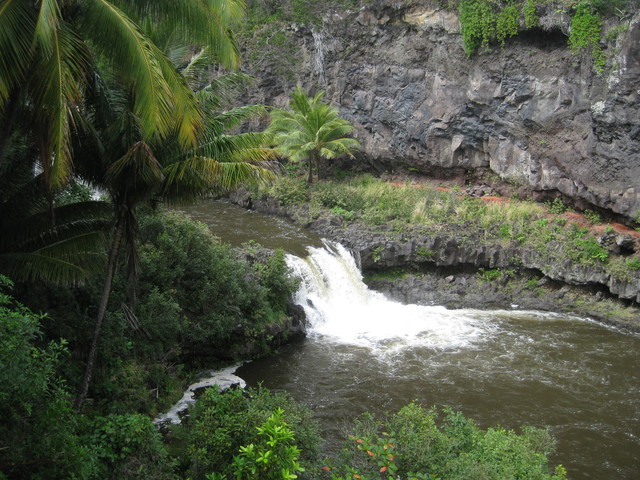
(494, 199)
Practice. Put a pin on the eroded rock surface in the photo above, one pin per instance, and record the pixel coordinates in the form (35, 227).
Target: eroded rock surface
(532, 112)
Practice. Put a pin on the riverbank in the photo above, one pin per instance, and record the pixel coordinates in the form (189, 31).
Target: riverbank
(478, 254)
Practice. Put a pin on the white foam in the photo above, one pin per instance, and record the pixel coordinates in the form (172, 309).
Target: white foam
(341, 308)
(223, 379)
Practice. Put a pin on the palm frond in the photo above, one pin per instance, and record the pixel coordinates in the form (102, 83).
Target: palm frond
(186, 116)
(47, 25)
(17, 25)
(196, 176)
(234, 117)
(30, 267)
(201, 22)
(136, 60)
(137, 174)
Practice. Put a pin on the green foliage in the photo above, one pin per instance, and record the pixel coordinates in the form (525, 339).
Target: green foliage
(130, 447)
(633, 263)
(348, 215)
(490, 275)
(289, 191)
(593, 217)
(585, 35)
(586, 247)
(412, 444)
(311, 131)
(531, 284)
(485, 22)
(376, 253)
(623, 268)
(530, 12)
(477, 19)
(274, 456)
(222, 422)
(507, 23)
(275, 276)
(557, 206)
(39, 436)
(424, 252)
(211, 295)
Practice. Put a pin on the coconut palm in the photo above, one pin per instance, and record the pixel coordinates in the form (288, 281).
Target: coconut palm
(50, 50)
(311, 131)
(91, 81)
(134, 171)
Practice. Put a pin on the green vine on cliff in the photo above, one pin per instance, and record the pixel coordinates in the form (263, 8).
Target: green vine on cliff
(485, 22)
(530, 12)
(489, 22)
(586, 32)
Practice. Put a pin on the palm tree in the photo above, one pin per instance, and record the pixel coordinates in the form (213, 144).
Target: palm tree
(311, 131)
(134, 172)
(50, 51)
(95, 71)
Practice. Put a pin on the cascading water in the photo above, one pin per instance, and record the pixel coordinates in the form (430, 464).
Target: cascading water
(341, 307)
(319, 42)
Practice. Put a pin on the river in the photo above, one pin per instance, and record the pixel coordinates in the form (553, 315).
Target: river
(506, 367)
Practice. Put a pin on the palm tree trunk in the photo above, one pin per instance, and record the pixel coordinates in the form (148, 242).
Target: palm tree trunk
(310, 177)
(102, 308)
(8, 121)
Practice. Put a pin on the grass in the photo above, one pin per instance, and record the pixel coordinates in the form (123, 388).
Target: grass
(374, 202)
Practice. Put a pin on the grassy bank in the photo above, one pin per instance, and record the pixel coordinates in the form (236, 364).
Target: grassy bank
(584, 238)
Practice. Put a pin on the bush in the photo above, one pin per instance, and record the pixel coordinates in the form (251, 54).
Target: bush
(222, 422)
(130, 447)
(195, 292)
(39, 431)
(412, 444)
(585, 35)
(273, 457)
(290, 191)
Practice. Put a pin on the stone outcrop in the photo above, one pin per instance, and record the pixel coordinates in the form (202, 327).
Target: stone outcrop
(532, 112)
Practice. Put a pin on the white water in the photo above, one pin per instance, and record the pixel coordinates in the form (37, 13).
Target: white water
(319, 42)
(341, 308)
(222, 379)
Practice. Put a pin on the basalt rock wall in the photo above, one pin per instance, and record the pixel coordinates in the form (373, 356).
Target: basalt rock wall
(532, 112)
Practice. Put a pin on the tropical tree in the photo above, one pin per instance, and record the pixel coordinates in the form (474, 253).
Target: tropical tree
(50, 50)
(311, 131)
(93, 81)
(135, 172)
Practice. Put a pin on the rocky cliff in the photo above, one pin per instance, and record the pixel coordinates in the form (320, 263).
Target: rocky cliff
(532, 112)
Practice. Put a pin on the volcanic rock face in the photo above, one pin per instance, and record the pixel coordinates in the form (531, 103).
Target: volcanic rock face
(532, 112)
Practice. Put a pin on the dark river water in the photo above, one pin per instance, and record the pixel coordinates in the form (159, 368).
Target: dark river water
(507, 367)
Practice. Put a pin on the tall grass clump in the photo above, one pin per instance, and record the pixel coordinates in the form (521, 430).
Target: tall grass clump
(375, 202)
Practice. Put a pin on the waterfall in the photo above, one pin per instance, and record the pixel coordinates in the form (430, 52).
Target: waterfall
(341, 308)
(319, 42)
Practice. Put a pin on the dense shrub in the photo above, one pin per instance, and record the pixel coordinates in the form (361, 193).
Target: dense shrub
(413, 444)
(222, 422)
(129, 447)
(39, 430)
(195, 292)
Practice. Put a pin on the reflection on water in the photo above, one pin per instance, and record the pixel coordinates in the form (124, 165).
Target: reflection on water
(512, 368)
(236, 226)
